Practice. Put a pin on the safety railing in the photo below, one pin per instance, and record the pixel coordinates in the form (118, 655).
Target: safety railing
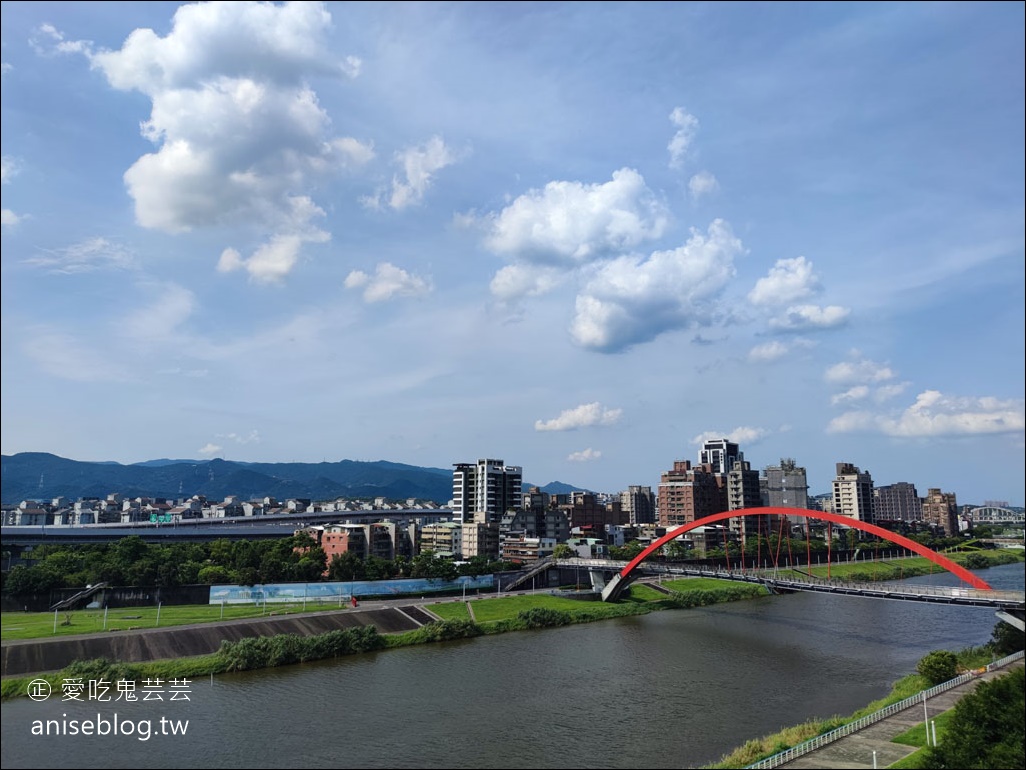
(853, 727)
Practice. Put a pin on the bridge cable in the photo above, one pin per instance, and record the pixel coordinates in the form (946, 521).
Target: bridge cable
(830, 542)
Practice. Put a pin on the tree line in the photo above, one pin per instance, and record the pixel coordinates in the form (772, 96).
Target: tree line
(131, 561)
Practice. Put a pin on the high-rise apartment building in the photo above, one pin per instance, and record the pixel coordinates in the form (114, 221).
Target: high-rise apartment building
(743, 492)
(720, 454)
(489, 486)
(941, 510)
(638, 503)
(897, 502)
(687, 494)
(786, 485)
(853, 493)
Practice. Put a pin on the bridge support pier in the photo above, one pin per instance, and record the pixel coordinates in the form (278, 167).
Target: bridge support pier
(1015, 618)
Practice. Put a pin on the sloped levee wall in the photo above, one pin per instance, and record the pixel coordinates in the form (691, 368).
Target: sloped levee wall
(34, 656)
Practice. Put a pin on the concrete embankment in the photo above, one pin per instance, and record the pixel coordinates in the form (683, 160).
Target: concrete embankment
(31, 656)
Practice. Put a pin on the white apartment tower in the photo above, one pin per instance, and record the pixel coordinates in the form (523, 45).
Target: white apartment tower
(853, 493)
(490, 487)
(721, 454)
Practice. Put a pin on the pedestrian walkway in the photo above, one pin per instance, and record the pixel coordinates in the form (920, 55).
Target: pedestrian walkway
(871, 747)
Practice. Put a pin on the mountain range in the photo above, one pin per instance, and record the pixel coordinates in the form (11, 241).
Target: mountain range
(43, 476)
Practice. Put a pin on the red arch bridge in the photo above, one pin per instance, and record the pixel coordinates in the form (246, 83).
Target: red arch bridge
(1009, 605)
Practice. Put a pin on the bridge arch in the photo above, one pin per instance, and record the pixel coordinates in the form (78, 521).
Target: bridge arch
(847, 521)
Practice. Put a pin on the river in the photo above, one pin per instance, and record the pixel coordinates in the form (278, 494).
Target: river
(665, 690)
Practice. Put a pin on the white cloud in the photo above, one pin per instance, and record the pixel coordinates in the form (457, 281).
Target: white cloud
(8, 218)
(810, 317)
(788, 280)
(702, 183)
(583, 416)
(856, 393)
(87, 256)
(630, 300)
(769, 351)
(515, 281)
(210, 449)
(239, 134)
(271, 261)
(419, 167)
(388, 281)
(934, 414)
(253, 437)
(687, 127)
(861, 370)
(889, 391)
(584, 455)
(740, 435)
(572, 223)
(9, 168)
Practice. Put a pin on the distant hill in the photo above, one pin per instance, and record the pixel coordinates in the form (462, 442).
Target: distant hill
(557, 488)
(43, 476)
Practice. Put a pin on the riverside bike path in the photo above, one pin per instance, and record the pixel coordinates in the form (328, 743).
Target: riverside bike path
(872, 747)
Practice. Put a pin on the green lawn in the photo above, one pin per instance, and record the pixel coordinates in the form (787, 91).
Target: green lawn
(916, 736)
(34, 625)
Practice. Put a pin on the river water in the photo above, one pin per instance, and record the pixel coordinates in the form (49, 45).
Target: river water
(666, 690)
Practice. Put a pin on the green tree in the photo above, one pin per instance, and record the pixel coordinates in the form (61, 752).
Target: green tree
(346, 566)
(938, 666)
(1006, 639)
(986, 729)
(214, 573)
(562, 551)
(627, 551)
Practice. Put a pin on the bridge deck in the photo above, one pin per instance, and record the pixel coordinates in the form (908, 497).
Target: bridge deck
(877, 590)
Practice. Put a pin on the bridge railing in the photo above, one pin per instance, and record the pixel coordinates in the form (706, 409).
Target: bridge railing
(853, 727)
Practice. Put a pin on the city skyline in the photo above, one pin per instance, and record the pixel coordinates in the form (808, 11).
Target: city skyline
(582, 237)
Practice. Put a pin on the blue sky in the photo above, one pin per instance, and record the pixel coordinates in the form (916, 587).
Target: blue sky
(579, 237)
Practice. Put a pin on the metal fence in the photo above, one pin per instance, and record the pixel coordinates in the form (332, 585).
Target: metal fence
(853, 727)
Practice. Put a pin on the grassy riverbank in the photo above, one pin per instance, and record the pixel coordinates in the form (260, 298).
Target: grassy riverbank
(760, 748)
(491, 615)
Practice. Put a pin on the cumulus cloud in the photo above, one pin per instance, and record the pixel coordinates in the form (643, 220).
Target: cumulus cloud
(856, 393)
(387, 282)
(934, 414)
(687, 127)
(769, 351)
(210, 449)
(788, 280)
(271, 261)
(858, 370)
(583, 416)
(702, 183)
(515, 281)
(571, 223)
(584, 455)
(810, 317)
(419, 165)
(631, 300)
(741, 435)
(87, 256)
(8, 218)
(240, 135)
(889, 391)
